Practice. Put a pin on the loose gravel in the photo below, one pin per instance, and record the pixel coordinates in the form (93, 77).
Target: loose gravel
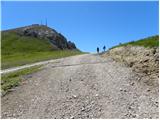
(83, 86)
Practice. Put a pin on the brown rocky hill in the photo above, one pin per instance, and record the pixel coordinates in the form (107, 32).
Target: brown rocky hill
(57, 40)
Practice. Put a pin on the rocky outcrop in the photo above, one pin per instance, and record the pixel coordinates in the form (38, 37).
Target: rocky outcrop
(44, 32)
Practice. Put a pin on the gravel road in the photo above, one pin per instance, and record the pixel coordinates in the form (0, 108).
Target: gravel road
(83, 86)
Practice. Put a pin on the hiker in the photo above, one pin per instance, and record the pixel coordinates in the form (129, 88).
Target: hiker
(97, 49)
(104, 48)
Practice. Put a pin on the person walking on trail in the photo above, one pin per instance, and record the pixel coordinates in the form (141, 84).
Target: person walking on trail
(104, 48)
(97, 49)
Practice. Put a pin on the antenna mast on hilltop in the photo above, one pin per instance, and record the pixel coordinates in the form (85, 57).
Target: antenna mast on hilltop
(46, 22)
(41, 22)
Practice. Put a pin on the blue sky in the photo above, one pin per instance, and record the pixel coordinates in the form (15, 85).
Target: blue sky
(88, 24)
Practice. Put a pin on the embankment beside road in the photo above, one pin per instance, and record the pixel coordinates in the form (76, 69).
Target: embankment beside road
(143, 61)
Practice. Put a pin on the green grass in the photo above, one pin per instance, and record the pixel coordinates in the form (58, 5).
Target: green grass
(12, 43)
(18, 59)
(13, 79)
(146, 42)
(19, 50)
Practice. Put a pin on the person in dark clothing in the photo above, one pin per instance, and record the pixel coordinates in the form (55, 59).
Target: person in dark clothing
(104, 48)
(97, 49)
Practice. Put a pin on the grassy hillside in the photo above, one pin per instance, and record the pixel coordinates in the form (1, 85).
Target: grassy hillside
(146, 42)
(13, 43)
(19, 50)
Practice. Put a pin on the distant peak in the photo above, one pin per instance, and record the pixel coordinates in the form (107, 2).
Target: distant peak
(47, 33)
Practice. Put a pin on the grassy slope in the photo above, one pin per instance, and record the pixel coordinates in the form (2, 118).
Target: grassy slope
(26, 58)
(13, 43)
(146, 42)
(19, 50)
(13, 79)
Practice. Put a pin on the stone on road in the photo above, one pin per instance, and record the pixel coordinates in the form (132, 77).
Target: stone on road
(83, 86)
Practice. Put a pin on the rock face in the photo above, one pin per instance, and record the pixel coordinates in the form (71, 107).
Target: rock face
(44, 32)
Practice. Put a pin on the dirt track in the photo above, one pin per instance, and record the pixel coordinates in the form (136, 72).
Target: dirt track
(83, 86)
